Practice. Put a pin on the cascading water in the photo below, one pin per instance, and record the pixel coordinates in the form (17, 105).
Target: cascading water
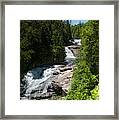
(69, 54)
(39, 79)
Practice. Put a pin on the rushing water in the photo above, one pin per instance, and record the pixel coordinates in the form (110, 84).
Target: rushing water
(39, 78)
(69, 56)
(77, 42)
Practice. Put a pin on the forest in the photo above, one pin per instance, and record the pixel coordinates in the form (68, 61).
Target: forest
(44, 42)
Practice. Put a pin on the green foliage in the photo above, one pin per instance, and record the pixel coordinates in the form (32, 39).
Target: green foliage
(95, 93)
(90, 45)
(85, 78)
(75, 30)
(42, 42)
(82, 84)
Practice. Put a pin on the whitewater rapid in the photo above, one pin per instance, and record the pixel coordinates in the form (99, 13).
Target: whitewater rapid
(39, 78)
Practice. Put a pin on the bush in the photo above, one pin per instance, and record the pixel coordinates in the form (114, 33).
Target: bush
(84, 84)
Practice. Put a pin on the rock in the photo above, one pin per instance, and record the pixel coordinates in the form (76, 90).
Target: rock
(59, 66)
(50, 88)
(47, 95)
(69, 77)
(55, 73)
(58, 89)
(38, 96)
(65, 68)
(23, 98)
(65, 91)
(56, 84)
(34, 91)
(62, 66)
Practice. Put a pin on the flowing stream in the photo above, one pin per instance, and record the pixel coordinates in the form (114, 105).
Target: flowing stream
(38, 80)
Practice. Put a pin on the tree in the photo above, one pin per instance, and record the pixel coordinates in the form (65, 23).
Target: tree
(76, 30)
(85, 79)
(67, 33)
(90, 45)
(42, 42)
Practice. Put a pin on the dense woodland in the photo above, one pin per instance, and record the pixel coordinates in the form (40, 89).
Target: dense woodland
(76, 30)
(43, 42)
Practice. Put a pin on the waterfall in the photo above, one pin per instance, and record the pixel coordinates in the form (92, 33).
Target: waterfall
(77, 42)
(38, 79)
(69, 55)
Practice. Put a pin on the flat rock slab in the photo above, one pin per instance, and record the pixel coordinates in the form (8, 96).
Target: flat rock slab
(64, 79)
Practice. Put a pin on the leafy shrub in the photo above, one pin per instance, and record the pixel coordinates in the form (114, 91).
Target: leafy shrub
(83, 84)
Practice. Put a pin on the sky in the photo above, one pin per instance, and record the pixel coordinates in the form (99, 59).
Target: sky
(73, 22)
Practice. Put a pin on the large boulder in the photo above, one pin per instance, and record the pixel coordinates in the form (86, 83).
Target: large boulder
(58, 89)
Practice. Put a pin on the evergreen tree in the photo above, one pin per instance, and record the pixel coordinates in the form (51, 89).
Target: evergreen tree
(90, 45)
(42, 42)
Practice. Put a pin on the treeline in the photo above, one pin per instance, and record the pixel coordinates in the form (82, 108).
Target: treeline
(75, 30)
(85, 79)
(42, 42)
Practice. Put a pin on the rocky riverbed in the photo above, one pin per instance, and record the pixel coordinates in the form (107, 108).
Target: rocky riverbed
(45, 82)
(56, 82)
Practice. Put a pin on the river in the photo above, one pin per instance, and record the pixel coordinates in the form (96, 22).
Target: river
(43, 82)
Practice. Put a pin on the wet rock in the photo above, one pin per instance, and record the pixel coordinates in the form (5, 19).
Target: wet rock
(59, 66)
(55, 73)
(65, 69)
(50, 88)
(23, 98)
(58, 89)
(38, 96)
(34, 91)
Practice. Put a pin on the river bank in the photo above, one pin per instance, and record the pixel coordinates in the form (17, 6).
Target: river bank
(48, 82)
(54, 81)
